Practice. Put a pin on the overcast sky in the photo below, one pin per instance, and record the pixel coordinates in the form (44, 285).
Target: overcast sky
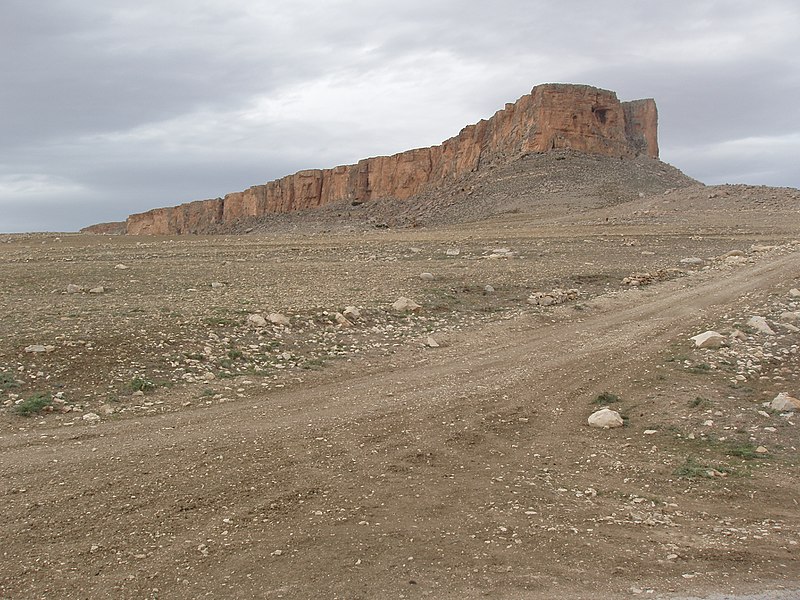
(113, 107)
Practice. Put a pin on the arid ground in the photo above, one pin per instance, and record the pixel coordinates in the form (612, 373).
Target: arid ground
(158, 442)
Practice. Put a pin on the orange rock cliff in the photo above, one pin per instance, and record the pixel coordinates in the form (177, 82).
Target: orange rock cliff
(552, 116)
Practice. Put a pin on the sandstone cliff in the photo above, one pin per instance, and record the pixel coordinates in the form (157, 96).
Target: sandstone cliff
(552, 116)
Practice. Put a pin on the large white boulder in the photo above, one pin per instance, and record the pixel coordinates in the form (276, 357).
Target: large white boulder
(708, 339)
(605, 418)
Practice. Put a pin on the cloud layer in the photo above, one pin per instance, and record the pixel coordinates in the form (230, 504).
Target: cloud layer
(110, 108)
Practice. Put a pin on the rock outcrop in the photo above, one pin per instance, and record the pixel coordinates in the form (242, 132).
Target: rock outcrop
(112, 228)
(552, 116)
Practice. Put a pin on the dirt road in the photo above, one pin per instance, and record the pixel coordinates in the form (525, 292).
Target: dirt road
(463, 471)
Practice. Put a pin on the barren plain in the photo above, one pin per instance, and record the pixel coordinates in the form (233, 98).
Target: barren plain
(158, 441)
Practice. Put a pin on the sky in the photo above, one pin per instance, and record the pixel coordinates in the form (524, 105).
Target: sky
(115, 107)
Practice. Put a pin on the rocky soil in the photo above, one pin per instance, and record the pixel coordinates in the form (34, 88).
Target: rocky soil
(255, 416)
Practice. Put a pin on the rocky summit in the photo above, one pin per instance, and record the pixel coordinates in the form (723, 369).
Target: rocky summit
(552, 117)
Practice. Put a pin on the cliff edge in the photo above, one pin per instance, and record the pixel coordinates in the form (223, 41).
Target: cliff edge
(552, 117)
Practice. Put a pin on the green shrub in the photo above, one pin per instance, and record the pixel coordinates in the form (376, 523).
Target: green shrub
(33, 405)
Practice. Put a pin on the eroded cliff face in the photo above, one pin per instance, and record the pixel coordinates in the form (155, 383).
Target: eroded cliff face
(552, 116)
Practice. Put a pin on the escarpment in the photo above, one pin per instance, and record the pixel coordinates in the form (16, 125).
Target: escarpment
(551, 117)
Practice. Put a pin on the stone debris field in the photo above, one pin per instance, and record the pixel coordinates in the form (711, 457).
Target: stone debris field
(596, 402)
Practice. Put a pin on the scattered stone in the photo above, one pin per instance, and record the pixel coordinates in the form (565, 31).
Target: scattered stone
(760, 324)
(216, 285)
(91, 417)
(761, 248)
(256, 320)
(122, 267)
(97, 290)
(74, 289)
(639, 279)
(501, 253)
(708, 339)
(735, 261)
(488, 289)
(426, 276)
(556, 296)
(452, 252)
(762, 450)
(342, 320)
(403, 304)
(733, 253)
(37, 348)
(352, 313)
(783, 402)
(790, 316)
(431, 343)
(605, 418)
(278, 319)
(693, 261)
(794, 293)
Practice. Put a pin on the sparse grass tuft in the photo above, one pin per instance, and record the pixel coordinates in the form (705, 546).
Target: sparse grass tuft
(140, 384)
(7, 381)
(313, 363)
(699, 401)
(606, 398)
(33, 405)
(692, 468)
(235, 354)
(746, 450)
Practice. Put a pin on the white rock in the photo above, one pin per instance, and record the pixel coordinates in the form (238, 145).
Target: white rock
(342, 320)
(790, 316)
(790, 327)
(605, 418)
(546, 300)
(39, 348)
(783, 402)
(453, 252)
(352, 313)
(735, 260)
(403, 304)
(734, 253)
(760, 325)
(426, 276)
(488, 289)
(91, 417)
(74, 289)
(693, 260)
(278, 319)
(794, 293)
(122, 267)
(216, 285)
(431, 343)
(97, 290)
(256, 320)
(708, 339)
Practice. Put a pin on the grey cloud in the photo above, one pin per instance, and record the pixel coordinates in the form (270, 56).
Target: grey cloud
(132, 106)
